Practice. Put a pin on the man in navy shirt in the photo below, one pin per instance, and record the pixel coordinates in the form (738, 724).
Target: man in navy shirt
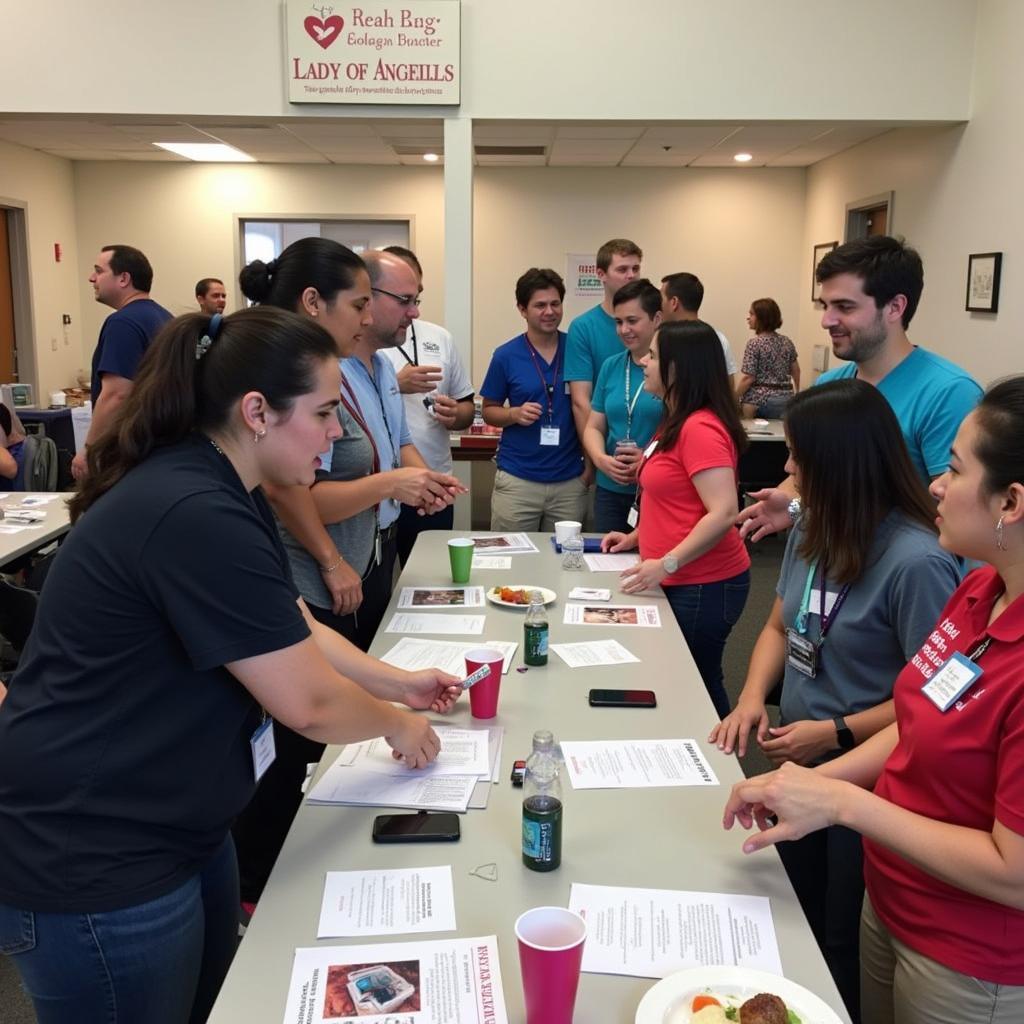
(540, 463)
(121, 278)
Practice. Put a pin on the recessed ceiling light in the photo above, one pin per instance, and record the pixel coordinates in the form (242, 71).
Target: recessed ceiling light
(431, 158)
(209, 151)
(743, 158)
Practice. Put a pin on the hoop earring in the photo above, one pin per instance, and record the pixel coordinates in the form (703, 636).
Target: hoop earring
(1000, 542)
(258, 434)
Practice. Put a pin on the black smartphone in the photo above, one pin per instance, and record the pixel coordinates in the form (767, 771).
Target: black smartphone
(623, 699)
(416, 828)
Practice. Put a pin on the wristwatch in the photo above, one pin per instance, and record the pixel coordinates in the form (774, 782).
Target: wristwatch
(670, 564)
(844, 735)
(794, 509)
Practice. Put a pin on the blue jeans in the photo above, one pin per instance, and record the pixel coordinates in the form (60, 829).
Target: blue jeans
(611, 509)
(160, 962)
(706, 613)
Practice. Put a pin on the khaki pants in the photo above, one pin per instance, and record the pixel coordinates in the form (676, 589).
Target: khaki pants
(522, 506)
(901, 986)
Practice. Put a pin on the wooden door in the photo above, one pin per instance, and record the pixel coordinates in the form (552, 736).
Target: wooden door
(7, 350)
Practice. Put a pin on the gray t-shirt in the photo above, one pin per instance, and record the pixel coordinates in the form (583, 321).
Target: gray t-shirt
(886, 616)
(352, 457)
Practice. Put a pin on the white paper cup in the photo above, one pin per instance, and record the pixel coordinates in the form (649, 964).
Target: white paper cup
(565, 529)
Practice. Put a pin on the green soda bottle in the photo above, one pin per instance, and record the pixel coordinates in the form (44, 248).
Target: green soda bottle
(535, 646)
(542, 805)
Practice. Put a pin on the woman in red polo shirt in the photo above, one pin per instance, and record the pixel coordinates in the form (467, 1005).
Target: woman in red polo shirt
(942, 931)
(687, 497)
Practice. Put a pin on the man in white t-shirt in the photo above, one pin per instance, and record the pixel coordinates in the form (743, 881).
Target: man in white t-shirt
(681, 296)
(438, 398)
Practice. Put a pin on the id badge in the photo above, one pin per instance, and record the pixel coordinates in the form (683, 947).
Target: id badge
(633, 516)
(263, 750)
(378, 551)
(568, 390)
(801, 653)
(650, 449)
(549, 435)
(957, 675)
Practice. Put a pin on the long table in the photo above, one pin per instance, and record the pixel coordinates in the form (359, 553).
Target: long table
(657, 838)
(56, 524)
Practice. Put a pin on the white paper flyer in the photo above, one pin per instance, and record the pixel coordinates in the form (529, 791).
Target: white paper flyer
(636, 764)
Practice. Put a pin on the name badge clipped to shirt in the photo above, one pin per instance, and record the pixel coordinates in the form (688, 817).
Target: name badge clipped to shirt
(263, 750)
(633, 515)
(549, 435)
(801, 653)
(957, 675)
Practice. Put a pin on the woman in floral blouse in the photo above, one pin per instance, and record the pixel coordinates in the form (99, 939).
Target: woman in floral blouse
(769, 361)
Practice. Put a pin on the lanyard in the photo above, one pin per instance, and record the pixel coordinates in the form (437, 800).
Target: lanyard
(979, 650)
(652, 448)
(805, 603)
(549, 389)
(630, 405)
(415, 361)
(355, 411)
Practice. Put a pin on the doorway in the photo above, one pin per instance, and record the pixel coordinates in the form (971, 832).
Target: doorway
(8, 342)
(868, 217)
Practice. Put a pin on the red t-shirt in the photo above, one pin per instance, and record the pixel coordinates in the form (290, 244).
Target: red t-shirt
(965, 767)
(670, 506)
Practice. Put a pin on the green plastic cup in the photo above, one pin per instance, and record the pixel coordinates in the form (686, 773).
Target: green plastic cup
(460, 554)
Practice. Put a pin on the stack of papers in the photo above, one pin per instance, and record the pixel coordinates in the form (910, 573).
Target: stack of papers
(413, 653)
(366, 774)
(424, 622)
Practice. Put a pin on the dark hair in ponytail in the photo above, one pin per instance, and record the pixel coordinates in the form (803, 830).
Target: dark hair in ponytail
(319, 263)
(174, 393)
(1000, 442)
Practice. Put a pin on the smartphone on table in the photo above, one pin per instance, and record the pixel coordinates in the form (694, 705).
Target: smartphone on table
(416, 828)
(623, 699)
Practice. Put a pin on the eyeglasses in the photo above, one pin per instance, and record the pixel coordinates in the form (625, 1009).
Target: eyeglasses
(402, 300)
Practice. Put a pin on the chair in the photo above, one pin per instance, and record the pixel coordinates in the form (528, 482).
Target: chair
(17, 612)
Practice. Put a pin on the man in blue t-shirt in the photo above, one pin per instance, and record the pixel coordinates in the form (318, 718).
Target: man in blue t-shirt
(592, 335)
(121, 278)
(540, 463)
(870, 289)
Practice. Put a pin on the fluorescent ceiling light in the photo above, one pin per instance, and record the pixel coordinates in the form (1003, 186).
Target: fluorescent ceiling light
(210, 151)
(743, 158)
(431, 158)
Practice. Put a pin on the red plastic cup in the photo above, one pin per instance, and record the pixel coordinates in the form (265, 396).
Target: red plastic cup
(483, 696)
(550, 954)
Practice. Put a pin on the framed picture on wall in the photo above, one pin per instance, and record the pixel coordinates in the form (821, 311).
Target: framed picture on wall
(820, 252)
(983, 282)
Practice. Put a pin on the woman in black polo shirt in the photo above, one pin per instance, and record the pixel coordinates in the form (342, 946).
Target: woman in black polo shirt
(169, 634)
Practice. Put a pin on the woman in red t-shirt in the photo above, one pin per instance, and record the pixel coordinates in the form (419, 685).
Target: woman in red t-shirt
(687, 497)
(939, 794)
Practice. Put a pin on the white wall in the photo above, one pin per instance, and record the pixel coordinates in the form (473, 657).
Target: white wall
(957, 192)
(535, 58)
(45, 185)
(739, 231)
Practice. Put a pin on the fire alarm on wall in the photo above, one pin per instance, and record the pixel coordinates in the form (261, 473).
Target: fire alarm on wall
(58, 252)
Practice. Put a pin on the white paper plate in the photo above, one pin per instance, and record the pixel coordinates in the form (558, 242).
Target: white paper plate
(548, 595)
(668, 1002)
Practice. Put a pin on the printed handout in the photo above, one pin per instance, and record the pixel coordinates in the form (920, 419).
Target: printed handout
(341, 785)
(447, 981)
(441, 597)
(636, 764)
(412, 653)
(611, 563)
(612, 615)
(594, 652)
(463, 752)
(390, 902)
(649, 933)
(491, 562)
(446, 625)
(504, 544)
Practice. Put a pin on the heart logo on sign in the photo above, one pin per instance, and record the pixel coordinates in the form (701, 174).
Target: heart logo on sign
(324, 32)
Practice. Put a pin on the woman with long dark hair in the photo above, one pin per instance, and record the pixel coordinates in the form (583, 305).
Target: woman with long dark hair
(862, 583)
(168, 637)
(938, 795)
(687, 497)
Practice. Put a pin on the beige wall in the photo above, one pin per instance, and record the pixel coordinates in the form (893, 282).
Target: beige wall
(957, 192)
(45, 186)
(826, 59)
(739, 231)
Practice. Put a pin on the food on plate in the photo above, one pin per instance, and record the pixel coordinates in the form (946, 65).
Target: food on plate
(512, 595)
(764, 1008)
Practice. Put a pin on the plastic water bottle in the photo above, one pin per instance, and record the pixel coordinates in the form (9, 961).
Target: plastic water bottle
(535, 631)
(542, 805)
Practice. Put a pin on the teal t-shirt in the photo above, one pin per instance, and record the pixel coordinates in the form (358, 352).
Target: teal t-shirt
(930, 396)
(592, 340)
(610, 398)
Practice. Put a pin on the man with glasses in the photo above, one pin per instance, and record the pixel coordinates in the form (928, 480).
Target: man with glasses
(438, 398)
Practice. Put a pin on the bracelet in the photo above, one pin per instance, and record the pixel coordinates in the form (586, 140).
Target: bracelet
(328, 569)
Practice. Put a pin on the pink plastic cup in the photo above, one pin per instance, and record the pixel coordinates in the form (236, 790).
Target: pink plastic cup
(550, 954)
(483, 696)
